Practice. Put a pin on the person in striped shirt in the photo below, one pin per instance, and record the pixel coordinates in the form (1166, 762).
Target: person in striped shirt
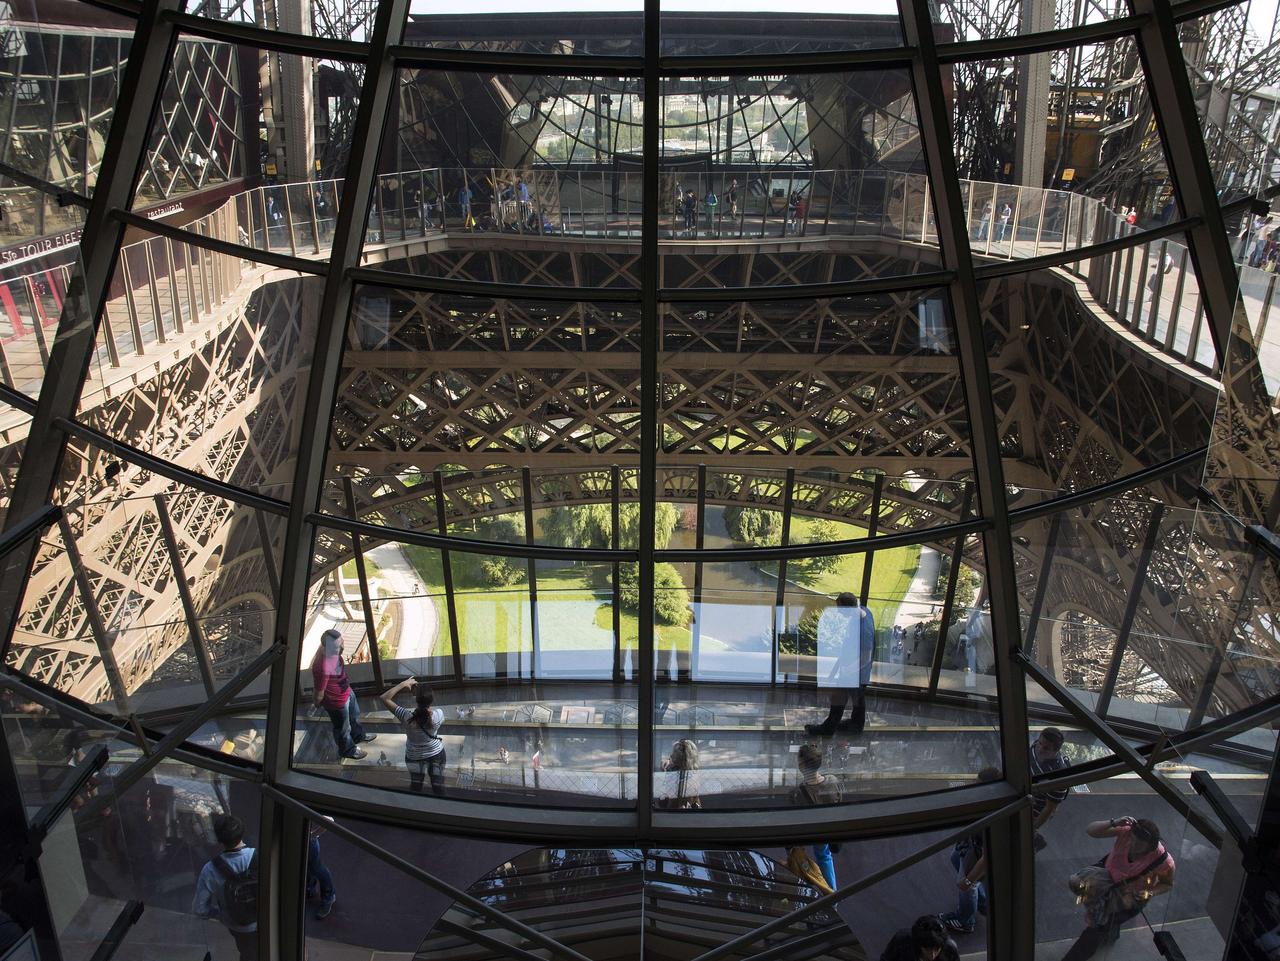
(424, 753)
(1046, 758)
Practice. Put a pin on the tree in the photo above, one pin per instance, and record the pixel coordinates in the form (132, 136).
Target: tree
(591, 525)
(823, 531)
(491, 571)
(751, 525)
(670, 596)
(805, 638)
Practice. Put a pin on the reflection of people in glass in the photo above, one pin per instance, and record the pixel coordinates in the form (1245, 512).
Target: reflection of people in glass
(850, 628)
(1117, 888)
(816, 788)
(682, 763)
(969, 858)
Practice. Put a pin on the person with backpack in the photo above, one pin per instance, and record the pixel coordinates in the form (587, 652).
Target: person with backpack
(1118, 887)
(424, 753)
(227, 888)
(710, 203)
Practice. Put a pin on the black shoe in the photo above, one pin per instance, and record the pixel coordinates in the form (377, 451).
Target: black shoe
(850, 727)
(819, 730)
(367, 738)
(356, 755)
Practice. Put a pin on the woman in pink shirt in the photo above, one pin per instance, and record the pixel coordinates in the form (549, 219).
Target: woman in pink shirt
(333, 693)
(1120, 885)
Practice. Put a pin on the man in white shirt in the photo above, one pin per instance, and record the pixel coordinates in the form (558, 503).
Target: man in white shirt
(850, 629)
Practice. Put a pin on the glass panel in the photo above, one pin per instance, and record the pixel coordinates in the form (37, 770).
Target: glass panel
(197, 140)
(1101, 153)
(832, 383)
(883, 914)
(199, 359)
(501, 26)
(152, 844)
(1079, 406)
(472, 388)
(1079, 836)
(118, 633)
(62, 68)
(702, 28)
(534, 156)
(1013, 19)
(352, 21)
(1238, 115)
(769, 157)
(736, 747)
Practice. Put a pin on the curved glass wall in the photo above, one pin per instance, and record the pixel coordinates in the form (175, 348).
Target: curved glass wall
(612, 466)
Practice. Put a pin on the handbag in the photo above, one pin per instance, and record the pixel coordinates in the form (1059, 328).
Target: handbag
(806, 869)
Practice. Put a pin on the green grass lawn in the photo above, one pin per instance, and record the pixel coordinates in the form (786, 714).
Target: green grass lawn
(891, 571)
(574, 615)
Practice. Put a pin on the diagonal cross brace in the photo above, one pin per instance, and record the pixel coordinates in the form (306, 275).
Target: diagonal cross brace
(849, 890)
(135, 771)
(1108, 736)
(460, 896)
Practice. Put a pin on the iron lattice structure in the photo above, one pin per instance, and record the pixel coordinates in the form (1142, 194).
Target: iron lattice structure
(1100, 120)
(319, 368)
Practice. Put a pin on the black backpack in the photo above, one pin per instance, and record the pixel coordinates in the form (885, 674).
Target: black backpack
(239, 891)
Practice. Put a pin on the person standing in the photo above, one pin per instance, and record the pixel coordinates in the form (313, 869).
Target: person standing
(319, 880)
(1118, 887)
(683, 763)
(731, 198)
(984, 221)
(1005, 213)
(850, 627)
(424, 753)
(691, 210)
(710, 203)
(227, 888)
(464, 203)
(333, 693)
(969, 858)
(817, 789)
(1046, 758)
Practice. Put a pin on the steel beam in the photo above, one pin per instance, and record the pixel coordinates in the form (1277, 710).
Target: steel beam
(1104, 732)
(1013, 929)
(1174, 107)
(649, 409)
(138, 101)
(203, 661)
(278, 869)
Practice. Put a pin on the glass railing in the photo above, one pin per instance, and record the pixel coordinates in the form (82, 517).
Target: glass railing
(163, 286)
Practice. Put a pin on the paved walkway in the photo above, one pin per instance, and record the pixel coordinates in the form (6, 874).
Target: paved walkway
(419, 622)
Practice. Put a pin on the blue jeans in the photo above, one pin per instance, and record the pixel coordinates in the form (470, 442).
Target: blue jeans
(970, 898)
(318, 877)
(347, 732)
(826, 864)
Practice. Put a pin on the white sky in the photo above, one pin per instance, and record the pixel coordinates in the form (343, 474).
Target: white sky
(1261, 12)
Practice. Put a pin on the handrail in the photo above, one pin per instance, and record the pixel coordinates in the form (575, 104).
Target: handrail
(287, 225)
